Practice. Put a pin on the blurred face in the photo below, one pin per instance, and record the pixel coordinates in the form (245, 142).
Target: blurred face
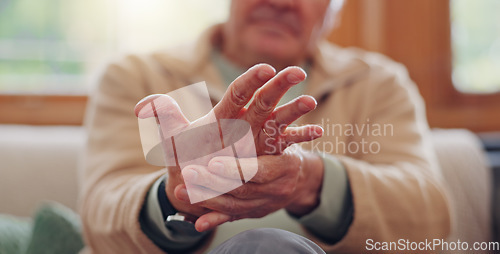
(278, 32)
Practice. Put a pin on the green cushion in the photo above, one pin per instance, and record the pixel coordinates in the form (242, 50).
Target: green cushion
(56, 229)
(14, 234)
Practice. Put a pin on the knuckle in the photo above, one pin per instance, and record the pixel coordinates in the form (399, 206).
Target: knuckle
(261, 106)
(237, 97)
(241, 192)
(230, 207)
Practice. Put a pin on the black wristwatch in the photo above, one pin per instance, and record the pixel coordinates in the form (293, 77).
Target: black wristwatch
(177, 222)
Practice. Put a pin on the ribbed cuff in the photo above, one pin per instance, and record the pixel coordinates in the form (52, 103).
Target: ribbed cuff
(333, 216)
(153, 224)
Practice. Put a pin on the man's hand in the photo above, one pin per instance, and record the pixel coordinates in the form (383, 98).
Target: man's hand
(269, 88)
(268, 123)
(291, 180)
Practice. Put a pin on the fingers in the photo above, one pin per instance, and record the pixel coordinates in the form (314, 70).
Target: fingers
(269, 168)
(199, 175)
(190, 193)
(164, 108)
(269, 95)
(211, 220)
(276, 141)
(146, 100)
(242, 89)
(225, 167)
(222, 175)
(157, 105)
(293, 135)
(288, 113)
(222, 202)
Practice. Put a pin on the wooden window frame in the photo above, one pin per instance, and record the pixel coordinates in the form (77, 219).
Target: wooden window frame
(417, 33)
(42, 109)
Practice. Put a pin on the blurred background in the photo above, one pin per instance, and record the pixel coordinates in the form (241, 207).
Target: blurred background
(54, 46)
(51, 53)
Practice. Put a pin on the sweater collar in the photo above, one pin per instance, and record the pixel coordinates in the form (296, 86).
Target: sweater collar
(331, 66)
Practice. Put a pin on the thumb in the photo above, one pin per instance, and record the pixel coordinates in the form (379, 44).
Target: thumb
(211, 220)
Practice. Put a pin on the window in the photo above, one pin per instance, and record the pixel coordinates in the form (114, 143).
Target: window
(49, 42)
(50, 50)
(476, 45)
(436, 40)
(51, 46)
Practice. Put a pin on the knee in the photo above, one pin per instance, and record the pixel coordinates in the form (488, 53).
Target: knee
(268, 240)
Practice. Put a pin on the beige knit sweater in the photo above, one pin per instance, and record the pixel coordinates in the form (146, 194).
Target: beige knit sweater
(365, 101)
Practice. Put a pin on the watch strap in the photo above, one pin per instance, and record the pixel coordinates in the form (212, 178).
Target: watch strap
(167, 208)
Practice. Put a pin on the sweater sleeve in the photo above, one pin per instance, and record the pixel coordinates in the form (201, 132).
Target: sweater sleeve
(153, 224)
(116, 177)
(397, 187)
(333, 216)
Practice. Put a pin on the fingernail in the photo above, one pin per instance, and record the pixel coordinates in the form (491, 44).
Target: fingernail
(190, 174)
(183, 194)
(319, 132)
(204, 226)
(217, 168)
(303, 107)
(315, 102)
(294, 79)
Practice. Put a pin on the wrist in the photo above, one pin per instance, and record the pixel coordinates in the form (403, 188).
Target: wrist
(312, 174)
(185, 207)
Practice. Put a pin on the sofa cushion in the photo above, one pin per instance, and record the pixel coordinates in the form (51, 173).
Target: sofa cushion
(38, 163)
(469, 181)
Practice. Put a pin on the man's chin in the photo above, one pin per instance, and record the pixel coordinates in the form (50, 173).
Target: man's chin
(277, 55)
(275, 49)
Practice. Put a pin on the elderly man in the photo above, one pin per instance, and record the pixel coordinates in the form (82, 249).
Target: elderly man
(371, 177)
